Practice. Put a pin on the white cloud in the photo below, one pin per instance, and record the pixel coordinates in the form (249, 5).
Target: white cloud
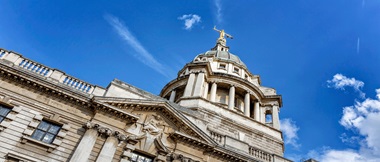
(331, 155)
(218, 5)
(289, 128)
(340, 81)
(142, 54)
(363, 120)
(190, 20)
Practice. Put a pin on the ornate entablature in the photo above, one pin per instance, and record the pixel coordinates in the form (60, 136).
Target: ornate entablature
(216, 110)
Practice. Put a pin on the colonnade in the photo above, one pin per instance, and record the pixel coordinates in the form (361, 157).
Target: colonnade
(197, 87)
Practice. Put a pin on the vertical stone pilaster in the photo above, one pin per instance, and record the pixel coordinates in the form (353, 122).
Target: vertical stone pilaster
(257, 111)
(205, 93)
(199, 84)
(213, 92)
(172, 96)
(189, 86)
(83, 150)
(275, 117)
(247, 104)
(109, 147)
(231, 98)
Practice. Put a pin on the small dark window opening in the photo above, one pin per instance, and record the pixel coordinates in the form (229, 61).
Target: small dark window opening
(46, 132)
(236, 70)
(222, 66)
(4, 111)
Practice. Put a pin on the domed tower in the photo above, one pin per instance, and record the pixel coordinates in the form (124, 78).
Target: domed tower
(228, 98)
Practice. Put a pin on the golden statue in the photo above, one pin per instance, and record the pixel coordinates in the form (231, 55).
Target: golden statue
(222, 34)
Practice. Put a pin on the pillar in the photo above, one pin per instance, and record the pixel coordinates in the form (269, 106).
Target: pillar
(257, 111)
(213, 92)
(109, 148)
(231, 98)
(83, 150)
(199, 84)
(275, 117)
(247, 104)
(190, 85)
(205, 93)
(172, 96)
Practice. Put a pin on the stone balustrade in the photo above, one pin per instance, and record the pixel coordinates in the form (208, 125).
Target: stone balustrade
(217, 137)
(17, 60)
(260, 154)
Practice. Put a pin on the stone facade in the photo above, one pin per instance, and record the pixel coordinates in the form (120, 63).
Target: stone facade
(215, 110)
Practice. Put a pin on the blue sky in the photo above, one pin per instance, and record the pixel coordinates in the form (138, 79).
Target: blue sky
(321, 56)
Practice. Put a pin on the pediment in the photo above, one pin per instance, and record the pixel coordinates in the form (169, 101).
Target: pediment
(159, 119)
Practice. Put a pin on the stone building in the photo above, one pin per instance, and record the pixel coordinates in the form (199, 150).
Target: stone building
(215, 110)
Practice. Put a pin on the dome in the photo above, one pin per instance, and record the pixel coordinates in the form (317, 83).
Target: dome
(223, 55)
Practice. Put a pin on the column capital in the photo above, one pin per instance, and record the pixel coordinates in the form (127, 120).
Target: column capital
(90, 125)
(103, 130)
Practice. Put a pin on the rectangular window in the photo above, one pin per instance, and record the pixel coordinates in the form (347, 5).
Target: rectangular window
(46, 132)
(3, 112)
(236, 70)
(136, 157)
(222, 66)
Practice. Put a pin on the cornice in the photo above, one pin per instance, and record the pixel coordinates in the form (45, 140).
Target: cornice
(67, 94)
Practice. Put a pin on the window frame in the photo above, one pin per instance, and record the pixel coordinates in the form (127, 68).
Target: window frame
(3, 117)
(11, 115)
(47, 131)
(236, 70)
(32, 127)
(222, 66)
(138, 154)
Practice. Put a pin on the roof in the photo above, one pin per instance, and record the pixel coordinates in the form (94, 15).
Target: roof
(224, 55)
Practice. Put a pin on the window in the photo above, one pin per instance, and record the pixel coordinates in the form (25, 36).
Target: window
(236, 70)
(3, 112)
(136, 157)
(46, 132)
(268, 117)
(222, 66)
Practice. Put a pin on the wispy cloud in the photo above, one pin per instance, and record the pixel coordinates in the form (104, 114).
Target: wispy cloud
(190, 20)
(358, 45)
(142, 54)
(290, 129)
(218, 14)
(340, 81)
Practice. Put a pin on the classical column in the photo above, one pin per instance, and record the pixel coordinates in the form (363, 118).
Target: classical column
(213, 92)
(231, 98)
(83, 150)
(247, 104)
(190, 85)
(205, 93)
(172, 96)
(199, 84)
(109, 147)
(275, 117)
(257, 111)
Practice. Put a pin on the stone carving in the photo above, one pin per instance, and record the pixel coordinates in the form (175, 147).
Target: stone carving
(153, 124)
(179, 158)
(90, 125)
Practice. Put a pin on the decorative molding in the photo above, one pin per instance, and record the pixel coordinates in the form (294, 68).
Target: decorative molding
(180, 158)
